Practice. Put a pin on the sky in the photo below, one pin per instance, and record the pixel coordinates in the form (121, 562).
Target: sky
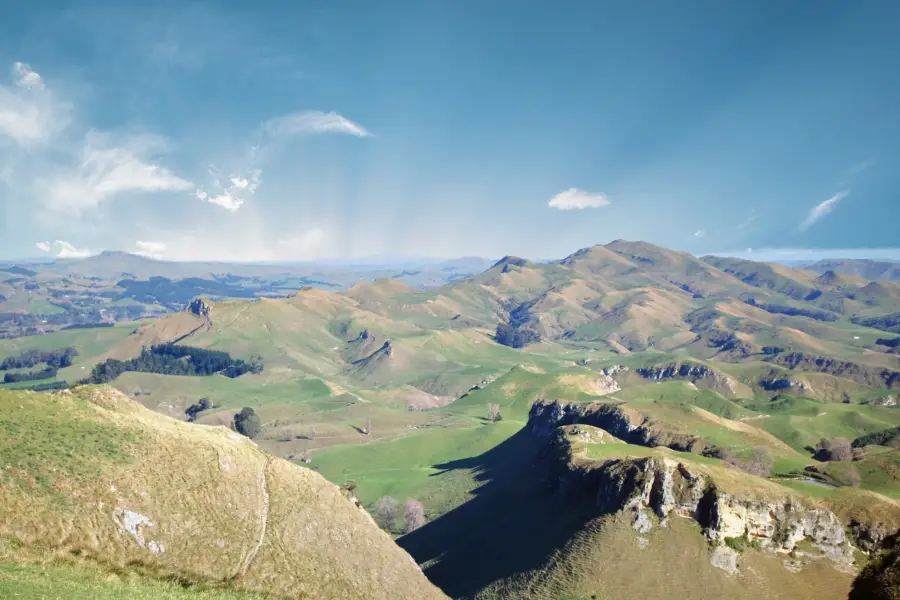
(295, 131)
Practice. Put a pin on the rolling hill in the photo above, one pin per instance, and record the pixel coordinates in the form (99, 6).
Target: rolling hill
(708, 362)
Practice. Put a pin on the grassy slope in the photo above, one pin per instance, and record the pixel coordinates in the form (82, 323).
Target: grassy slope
(221, 510)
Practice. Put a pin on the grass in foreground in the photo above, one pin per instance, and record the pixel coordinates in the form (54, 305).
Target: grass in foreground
(70, 582)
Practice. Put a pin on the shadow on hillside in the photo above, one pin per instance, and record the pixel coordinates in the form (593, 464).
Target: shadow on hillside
(513, 524)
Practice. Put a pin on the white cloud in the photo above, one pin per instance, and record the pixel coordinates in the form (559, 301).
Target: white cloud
(26, 78)
(313, 121)
(108, 170)
(746, 222)
(62, 249)
(575, 199)
(233, 189)
(699, 233)
(150, 249)
(30, 114)
(822, 209)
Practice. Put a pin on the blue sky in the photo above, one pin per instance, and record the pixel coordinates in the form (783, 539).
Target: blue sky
(348, 130)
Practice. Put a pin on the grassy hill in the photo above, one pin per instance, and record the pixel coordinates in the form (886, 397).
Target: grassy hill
(388, 385)
(91, 474)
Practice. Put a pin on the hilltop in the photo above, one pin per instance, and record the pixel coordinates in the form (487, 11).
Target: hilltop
(92, 479)
(427, 393)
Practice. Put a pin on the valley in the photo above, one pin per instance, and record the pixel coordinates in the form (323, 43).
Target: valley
(649, 413)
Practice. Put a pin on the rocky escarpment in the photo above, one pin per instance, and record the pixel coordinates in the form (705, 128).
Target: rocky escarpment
(546, 416)
(687, 371)
(653, 490)
(873, 376)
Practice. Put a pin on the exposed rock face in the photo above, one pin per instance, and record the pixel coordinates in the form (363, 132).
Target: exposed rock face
(876, 377)
(693, 372)
(546, 416)
(667, 488)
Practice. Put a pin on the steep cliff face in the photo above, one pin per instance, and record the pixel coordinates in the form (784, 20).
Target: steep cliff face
(620, 421)
(696, 373)
(726, 505)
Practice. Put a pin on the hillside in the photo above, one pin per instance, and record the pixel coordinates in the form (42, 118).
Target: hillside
(91, 474)
(425, 394)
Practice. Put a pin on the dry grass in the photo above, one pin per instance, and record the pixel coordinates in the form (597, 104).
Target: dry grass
(204, 489)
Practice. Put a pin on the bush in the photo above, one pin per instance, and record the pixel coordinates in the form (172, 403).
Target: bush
(836, 450)
(247, 423)
(494, 413)
(739, 544)
(195, 409)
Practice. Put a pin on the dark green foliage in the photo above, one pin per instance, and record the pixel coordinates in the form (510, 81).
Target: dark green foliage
(515, 337)
(782, 309)
(247, 422)
(878, 438)
(739, 544)
(880, 579)
(87, 325)
(772, 349)
(47, 387)
(195, 409)
(169, 359)
(889, 323)
(59, 359)
(47, 373)
(890, 343)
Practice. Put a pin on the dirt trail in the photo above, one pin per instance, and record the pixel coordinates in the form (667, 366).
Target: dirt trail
(263, 520)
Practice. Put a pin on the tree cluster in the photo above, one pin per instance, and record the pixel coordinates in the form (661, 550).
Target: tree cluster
(515, 337)
(837, 450)
(169, 359)
(47, 373)
(195, 409)
(59, 359)
(247, 422)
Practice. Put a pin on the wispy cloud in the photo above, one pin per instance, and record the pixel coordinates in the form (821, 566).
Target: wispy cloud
(313, 121)
(26, 78)
(822, 209)
(746, 222)
(231, 191)
(62, 249)
(108, 170)
(30, 113)
(150, 249)
(860, 167)
(575, 199)
(699, 233)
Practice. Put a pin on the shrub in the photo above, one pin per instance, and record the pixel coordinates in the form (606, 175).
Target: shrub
(247, 423)
(838, 449)
(739, 544)
(195, 409)
(494, 412)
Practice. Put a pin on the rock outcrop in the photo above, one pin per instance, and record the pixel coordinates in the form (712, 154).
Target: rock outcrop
(199, 307)
(653, 490)
(546, 416)
(693, 372)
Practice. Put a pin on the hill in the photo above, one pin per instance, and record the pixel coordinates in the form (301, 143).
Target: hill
(873, 270)
(91, 474)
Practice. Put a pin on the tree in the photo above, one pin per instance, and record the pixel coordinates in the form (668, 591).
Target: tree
(247, 423)
(413, 515)
(195, 409)
(312, 433)
(368, 428)
(494, 412)
(386, 512)
(838, 449)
